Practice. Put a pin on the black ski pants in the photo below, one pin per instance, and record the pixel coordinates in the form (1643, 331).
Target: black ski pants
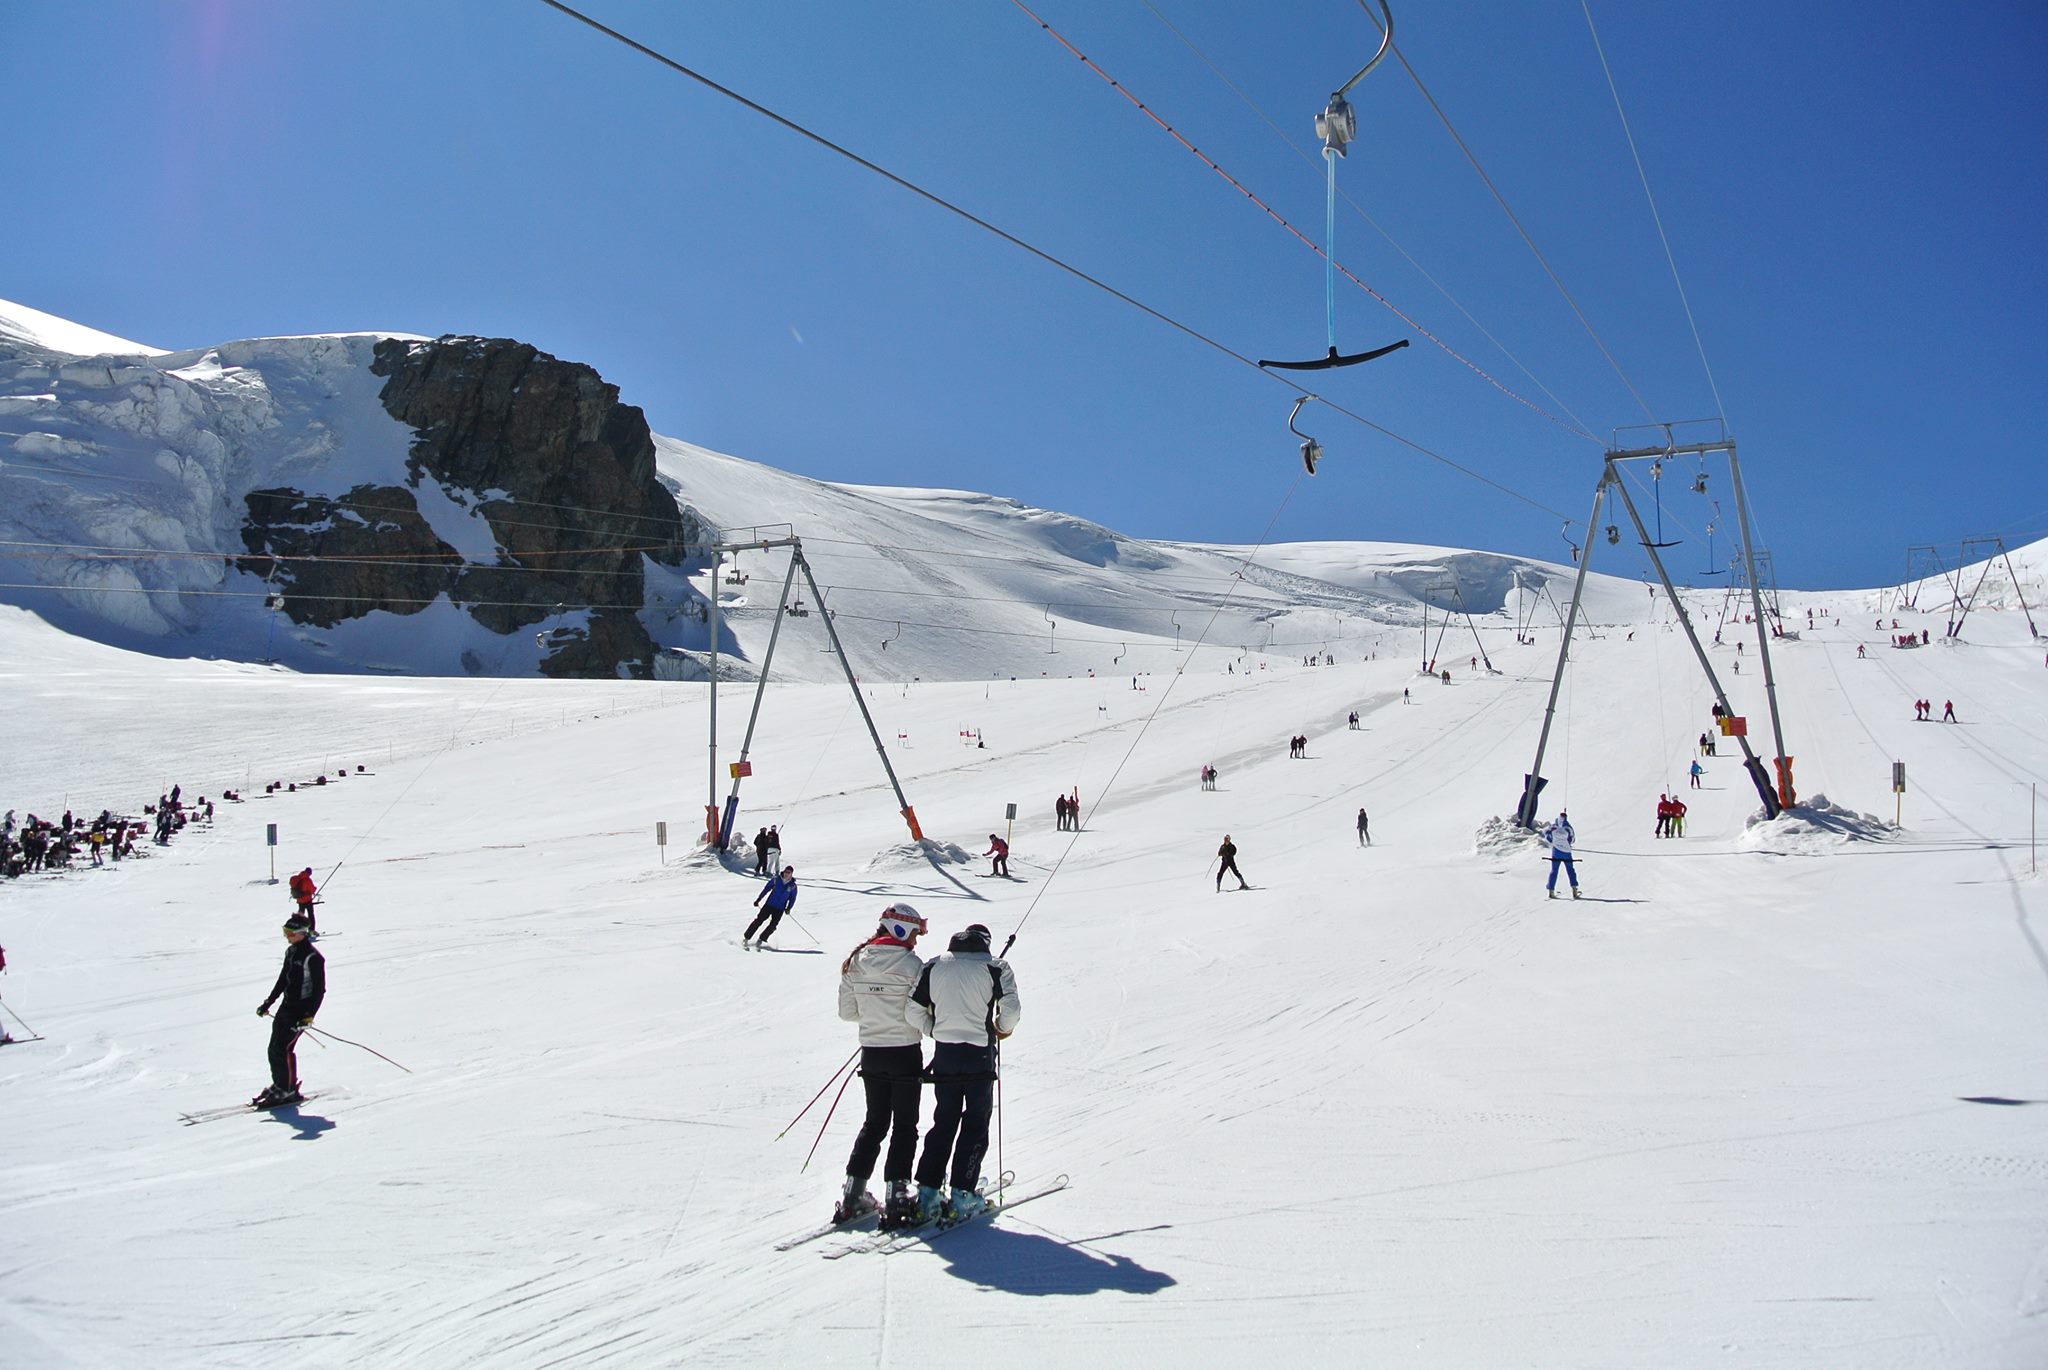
(1229, 867)
(964, 1091)
(771, 915)
(892, 1077)
(284, 1055)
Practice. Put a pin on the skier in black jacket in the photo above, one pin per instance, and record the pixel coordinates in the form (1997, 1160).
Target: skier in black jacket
(301, 985)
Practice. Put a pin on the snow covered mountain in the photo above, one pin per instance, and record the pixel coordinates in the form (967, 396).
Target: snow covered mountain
(340, 503)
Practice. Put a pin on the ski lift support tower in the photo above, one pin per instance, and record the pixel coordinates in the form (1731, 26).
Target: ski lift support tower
(718, 832)
(1775, 797)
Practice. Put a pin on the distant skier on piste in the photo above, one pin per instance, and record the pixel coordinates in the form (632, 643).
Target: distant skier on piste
(1364, 831)
(965, 1001)
(874, 990)
(1560, 836)
(303, 890)
(776, 898)
(1227, 864)
(300, 989)
(999, 854)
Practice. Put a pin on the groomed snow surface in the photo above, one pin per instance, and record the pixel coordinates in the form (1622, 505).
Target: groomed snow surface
(1768, 1096)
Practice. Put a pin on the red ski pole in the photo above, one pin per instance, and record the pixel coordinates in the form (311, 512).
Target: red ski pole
(828, 1120)
(815, 1097)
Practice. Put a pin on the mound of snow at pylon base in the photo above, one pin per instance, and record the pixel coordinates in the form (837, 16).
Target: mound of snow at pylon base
(1812, 828)
(917, 855)
(1500, 837)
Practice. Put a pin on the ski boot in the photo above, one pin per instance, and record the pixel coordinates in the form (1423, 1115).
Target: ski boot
(273, 1097)
(964, 1204)
(930, 1203)
(854, 1200)
(902, 1207)
(1575, 891)
(1551, 893)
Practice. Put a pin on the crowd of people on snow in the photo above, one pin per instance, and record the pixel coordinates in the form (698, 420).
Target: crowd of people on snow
(36, 844)
(31, 845)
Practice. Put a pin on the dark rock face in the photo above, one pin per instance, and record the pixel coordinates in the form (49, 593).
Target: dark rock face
(339, 558)
(545, 453)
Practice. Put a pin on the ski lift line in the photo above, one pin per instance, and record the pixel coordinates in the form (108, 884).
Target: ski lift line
(1583, 429)
(1720, 410)
(1541, 260)
(1037, 252)
(1319, 249)
(1235, 582)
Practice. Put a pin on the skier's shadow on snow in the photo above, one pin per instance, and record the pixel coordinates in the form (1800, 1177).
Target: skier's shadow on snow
(1034, 1264)
(309, 1125)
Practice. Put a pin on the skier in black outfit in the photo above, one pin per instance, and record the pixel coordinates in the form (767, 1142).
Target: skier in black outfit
(1228, 863)
(965, 1001)
(1364, 831)
(301, 985)
(761, 852)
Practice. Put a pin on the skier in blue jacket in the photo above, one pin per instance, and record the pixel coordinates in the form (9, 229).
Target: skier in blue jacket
(776, 898)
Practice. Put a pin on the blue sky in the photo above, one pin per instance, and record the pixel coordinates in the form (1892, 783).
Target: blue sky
(1853, 193)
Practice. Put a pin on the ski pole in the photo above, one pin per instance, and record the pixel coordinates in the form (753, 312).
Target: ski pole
(801, 928)
(828, 1121)
(33, 1035)
(319, 1032)
(819, 1095)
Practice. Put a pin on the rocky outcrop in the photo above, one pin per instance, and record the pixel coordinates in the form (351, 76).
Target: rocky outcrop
(340, 558)
(559, 473)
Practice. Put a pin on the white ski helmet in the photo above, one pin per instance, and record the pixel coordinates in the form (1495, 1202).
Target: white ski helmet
(902, 922)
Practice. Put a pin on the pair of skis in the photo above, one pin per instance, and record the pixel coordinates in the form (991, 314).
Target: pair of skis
(213, 1115)
(1005, 1196)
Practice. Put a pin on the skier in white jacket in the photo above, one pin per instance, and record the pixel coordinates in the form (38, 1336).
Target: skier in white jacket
(874, 990)
(966, 1001)
(1560, 836)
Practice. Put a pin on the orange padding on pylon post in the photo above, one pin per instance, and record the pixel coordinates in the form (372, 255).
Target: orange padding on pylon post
(1786, 796)
(711, 824)
(910, 817)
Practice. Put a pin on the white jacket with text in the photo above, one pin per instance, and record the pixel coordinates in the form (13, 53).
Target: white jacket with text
(874, 991)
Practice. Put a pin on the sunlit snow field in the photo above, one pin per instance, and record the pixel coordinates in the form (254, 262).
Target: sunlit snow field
(1767, 1097)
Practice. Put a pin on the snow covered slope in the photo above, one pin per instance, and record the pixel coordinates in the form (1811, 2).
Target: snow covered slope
(1770, 1095)
(125, 478)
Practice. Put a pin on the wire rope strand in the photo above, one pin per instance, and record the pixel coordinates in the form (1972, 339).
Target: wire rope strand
(1237, 580)
(1506, 209)
(1720, 410)
(1332, 267)
(1582, 429)
(1048, 257)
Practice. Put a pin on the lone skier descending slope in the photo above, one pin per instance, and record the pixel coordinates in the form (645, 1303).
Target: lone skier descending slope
(874, 990)
(779, 895)
(301, 986)
(1227, 862)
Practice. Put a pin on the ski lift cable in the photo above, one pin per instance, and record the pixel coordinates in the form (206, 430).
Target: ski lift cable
(1583, 429)
(1236, 582)
(1541, 260)
(1331, 265)
(1038, 252)
(1720, 410)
